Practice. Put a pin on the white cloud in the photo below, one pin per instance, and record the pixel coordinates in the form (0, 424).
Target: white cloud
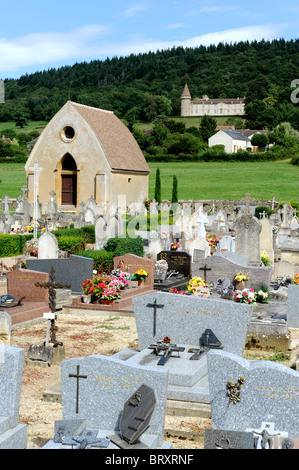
(135, 10)
(46, 48)
(175, 26)
(42, 50)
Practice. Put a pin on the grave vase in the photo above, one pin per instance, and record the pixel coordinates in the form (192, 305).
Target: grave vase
(241, 285)
(141, 282)
(86, 299)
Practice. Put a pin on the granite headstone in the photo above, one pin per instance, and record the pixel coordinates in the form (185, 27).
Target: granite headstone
(12, 434)
(246, 393)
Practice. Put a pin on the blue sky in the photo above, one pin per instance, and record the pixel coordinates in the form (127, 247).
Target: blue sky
(37, 35)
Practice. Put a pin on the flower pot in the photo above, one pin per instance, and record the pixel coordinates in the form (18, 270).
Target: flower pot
(86, 299)
(240, 285)
(107, 301)
(141, 282)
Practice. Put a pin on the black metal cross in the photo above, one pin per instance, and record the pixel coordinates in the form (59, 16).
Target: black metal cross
(155, 306)
(52, 285)
(78, 377)
(205, 269)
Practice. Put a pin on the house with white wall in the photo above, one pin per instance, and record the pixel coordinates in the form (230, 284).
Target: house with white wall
(232, 140)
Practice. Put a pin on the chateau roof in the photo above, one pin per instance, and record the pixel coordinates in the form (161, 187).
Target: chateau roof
(186, 93)
(120, 147)
(218, 100)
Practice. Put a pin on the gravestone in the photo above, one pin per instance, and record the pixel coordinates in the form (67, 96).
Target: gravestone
(266, 238)
(223, 267)
(284, 268)
(247, 238)
(5, 328)
(292, 306)
(21, 283)
(100, 229)
(185, 320)
(133, 263)
(12, 434)
(179, 270)
(245, 394)
(47, 246)
(96, 388)
(73, 270)
(226, 243)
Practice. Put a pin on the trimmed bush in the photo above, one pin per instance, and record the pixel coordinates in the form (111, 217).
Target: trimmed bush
(12, 245)
(103, 260)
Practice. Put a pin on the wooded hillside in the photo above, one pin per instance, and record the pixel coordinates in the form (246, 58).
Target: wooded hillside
(146, 85)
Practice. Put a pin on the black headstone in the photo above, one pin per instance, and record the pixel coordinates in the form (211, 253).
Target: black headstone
(178, 261)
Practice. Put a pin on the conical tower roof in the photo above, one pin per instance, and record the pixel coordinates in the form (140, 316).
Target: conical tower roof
(186, 93)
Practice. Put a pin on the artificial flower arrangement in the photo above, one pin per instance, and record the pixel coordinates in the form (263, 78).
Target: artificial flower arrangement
(175, 246)
(239, 277)
(194, 283)
(212, 240)
(122, 276)
(110, 293)
(245, 296)
(262, 297)
(139, 275)
(166, 340)
(265, 258)
(174, 290)
(296, 279)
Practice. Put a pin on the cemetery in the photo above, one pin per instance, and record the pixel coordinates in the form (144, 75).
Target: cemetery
(187, 338)
(128, 324)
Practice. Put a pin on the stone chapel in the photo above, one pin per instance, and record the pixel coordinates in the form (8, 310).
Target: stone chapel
(84, 153)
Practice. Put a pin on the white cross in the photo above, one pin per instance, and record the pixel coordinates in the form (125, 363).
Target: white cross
(35, 171)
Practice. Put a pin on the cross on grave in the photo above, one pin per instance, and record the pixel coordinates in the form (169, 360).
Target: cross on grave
(16, 226)
(52, 285)
(167, 350)
(205, 269)
(35, 169)
(78, 377)
(155, 306)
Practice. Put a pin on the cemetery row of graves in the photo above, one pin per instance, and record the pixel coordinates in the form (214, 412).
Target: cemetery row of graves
(202, 291)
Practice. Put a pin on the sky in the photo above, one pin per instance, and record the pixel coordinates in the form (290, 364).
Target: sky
(39, 35)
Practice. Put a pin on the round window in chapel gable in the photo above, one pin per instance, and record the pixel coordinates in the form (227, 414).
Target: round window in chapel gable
(68, 133)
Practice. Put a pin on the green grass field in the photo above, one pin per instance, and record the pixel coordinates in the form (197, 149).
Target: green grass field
(205, 180)
(222, 180)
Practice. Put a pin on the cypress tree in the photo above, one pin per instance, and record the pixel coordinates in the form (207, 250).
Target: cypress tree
(174, 197)
(158, 187)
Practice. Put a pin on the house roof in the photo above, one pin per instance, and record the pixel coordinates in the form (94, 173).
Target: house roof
(120, 147)
(236, 135)
(250, 132)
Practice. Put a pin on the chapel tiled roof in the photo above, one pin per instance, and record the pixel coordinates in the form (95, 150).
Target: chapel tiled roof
(120, 147)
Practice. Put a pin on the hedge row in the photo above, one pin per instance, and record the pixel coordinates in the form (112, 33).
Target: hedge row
(12, 245)
(103, 259)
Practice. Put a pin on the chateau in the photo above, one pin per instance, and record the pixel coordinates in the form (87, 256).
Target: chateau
(210, 107)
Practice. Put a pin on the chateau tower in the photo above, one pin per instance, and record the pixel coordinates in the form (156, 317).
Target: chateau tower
(186, 102)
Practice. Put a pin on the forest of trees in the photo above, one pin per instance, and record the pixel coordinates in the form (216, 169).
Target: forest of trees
(145, 86)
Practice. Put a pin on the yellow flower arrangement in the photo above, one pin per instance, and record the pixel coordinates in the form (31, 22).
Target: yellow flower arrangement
(265, 258)
(195, 283)
(239, 277)
(141, 274)
(296, 279)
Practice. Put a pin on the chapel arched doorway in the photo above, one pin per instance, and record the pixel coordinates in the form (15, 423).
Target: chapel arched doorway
(68, 181)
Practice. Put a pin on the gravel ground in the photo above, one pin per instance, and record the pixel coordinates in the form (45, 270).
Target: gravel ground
(82, 336)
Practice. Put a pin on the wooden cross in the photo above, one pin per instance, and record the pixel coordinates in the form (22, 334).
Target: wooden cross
(52, 285)
(155, 306)
(205, 269)
(78, 377)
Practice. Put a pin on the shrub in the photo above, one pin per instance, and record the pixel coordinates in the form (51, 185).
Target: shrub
(120, 246)
(11, 245)
(103, 260)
